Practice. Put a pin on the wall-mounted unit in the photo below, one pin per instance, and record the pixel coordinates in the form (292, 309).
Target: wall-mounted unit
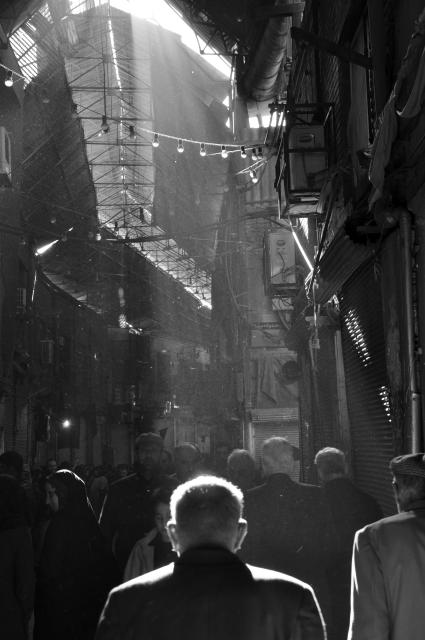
(279, 263)
(309, 150)
(21, 300)
(5, 159)
(46, 351)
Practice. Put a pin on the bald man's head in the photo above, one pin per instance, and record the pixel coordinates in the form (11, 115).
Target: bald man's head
(278, 456)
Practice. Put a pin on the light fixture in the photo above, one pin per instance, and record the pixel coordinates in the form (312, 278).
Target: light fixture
(155, 141)
(180, 147)
(9, 79)
(224, 152)
(131, 131)
(253, 176)
(98, 236)
(105, 125)
(260, 153)
(243, 152)
(53, 219)
(254, 154)
(202, 150)
(66, 423)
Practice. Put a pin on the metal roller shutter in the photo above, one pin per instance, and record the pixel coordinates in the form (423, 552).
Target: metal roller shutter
(366, 382)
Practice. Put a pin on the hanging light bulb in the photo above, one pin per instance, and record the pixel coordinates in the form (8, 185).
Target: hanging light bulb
(155, 141)
(243, 152)
(180, 147)
(254, 154)
(253, 176)
(132, 133)
(202, 150)
(224, 152)
(9, 79)
(52, 219)
(105, 125)
(259, 153)
(98, 236)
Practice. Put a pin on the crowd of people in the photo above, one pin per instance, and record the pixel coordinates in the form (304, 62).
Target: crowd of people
(71, 536)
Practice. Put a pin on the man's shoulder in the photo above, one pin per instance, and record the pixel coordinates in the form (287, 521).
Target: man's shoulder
(260, 574)
(384, 527)
(122, 484)
(139, 584)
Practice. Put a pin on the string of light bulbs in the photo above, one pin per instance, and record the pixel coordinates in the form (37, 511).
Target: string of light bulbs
(10, 74)
(225, 149)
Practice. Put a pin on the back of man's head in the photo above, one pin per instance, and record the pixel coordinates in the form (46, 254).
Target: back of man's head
(278, 456)
(408, 479)
(206, 511)
(241, 468)
(331, 464)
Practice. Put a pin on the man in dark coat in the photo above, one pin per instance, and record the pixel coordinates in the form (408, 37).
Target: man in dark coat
(388, 578)
(127, 513)
(209, 593)
(289, 522)
(351, 509)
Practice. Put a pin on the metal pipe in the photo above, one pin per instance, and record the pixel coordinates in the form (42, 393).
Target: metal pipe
(414, 395)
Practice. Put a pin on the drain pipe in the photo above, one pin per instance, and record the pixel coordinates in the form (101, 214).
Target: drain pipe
(414, 395)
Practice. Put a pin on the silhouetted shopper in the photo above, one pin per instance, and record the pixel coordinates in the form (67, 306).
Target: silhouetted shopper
(290, 528)
(241, 469)
(75, 571)
(351, 509)
(16, 563)
(388, 578)
(127, 513)
(154, 549)
(209, 593)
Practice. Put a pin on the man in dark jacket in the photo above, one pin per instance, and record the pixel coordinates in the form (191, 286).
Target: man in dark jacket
(388, 579)
(289, 523)
(127, 513)
(351, 509)
(209, 593)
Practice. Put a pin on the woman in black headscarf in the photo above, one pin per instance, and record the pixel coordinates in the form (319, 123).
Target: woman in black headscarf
(16, 562)
(76, 571)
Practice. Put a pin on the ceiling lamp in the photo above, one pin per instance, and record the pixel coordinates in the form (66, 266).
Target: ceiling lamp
(260, 153)
(253, 176)
(254, 154)
(180, 147)
(243, 152)
(9, 79)
(202, 150)
(224, 152)
(155, 141)
(105, 125)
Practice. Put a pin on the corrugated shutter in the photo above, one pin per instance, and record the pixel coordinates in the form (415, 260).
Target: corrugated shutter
(366, 381)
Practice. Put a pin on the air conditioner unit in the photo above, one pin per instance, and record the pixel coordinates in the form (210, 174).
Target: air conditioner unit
(21, 299)
(5, 158)
(47, 351)
(279, 263)
(308, 158)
